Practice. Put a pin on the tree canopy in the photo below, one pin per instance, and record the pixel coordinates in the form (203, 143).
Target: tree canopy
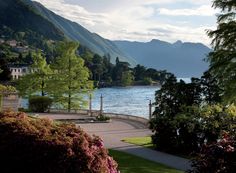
(179, 114)
(37, 79)
(223, 58)
(70, 77)
(5, 74)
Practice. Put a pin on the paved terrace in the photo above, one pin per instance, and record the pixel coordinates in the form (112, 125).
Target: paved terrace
(112, 133)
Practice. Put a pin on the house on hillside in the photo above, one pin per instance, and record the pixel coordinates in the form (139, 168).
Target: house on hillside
(18, 70)
(12, 43)
(2, 41)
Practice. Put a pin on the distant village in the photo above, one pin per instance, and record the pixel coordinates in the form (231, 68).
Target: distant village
(16, 46)
(17, 70)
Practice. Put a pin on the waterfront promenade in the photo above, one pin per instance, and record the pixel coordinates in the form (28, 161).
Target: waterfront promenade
(112, 134)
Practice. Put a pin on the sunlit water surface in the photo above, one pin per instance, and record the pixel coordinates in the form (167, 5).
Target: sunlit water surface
(124, 100)
(129, 100)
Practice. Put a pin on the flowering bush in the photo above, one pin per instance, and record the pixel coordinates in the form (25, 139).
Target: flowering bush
(219, 157)
(33, 145)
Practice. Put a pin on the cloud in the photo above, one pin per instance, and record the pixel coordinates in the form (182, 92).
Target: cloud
(147, 2)
(204, 10)
(74, 13)
(135, 20)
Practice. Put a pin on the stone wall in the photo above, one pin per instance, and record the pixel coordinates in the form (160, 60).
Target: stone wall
(9, 101)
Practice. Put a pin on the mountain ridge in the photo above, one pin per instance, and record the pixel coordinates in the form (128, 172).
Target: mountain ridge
(17, 15)
(182, 58)
(31, 17)
(76, 32)
(185, 59)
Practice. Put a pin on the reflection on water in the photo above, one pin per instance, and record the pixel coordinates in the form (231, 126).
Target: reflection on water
(130, 100)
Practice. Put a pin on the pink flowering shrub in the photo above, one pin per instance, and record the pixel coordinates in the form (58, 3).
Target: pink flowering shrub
(219, 157)
(33, 145)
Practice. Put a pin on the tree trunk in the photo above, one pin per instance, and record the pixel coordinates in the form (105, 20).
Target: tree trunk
(69, 87)
(69, 102)
(42, 88)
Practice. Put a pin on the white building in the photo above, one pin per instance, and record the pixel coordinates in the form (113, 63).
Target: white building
(12, 43)
(18, 71)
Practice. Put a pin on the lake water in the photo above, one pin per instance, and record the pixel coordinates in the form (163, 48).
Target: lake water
(129, 100)
(124, 100)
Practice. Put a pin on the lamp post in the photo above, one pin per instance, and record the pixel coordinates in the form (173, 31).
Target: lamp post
(90, 104)
(101, 105)
(150, 109)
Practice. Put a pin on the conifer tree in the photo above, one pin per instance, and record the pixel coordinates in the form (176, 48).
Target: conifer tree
(71, 77)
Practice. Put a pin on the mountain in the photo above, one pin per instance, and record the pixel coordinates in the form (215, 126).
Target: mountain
(183, 59)
(19, 17)
(32, 18)
(76, 32)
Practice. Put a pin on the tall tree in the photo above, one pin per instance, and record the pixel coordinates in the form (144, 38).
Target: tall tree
(98, 67)
(223, 58)
(171, 100)
(127, 78)
(107, 76)
(5, 74)
(119, 68)
(71, 77)
(166, 108)
(210, 89)
(37, 79)
(139, 72)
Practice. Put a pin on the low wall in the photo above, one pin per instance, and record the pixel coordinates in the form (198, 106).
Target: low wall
(128, 117)
(75, 111)
(96, 113)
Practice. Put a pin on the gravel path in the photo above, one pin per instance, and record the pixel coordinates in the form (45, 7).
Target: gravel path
(112, 134)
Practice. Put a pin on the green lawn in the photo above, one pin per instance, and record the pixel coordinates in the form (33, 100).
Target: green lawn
(147, 142)
(132, 164)
(142, 141)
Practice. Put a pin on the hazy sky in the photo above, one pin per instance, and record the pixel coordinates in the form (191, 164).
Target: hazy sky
(140, 20)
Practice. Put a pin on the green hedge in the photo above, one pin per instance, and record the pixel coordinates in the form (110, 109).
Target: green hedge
(33, 145)
(40, 103)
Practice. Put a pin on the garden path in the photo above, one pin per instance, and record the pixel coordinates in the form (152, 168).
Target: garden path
(112, 134)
